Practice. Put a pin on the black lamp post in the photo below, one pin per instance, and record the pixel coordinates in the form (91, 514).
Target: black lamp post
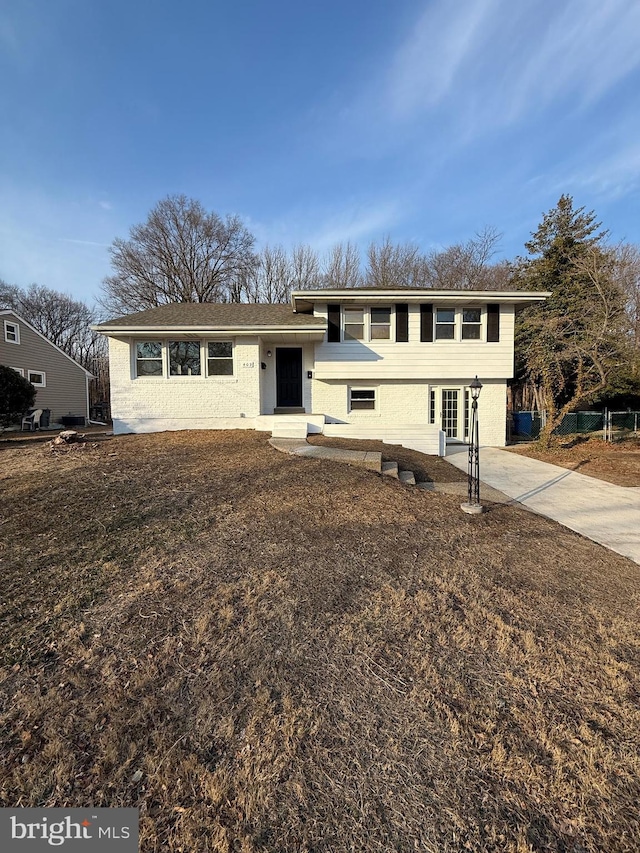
(473, 505)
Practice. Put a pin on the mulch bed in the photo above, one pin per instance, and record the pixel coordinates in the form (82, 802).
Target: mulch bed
(616, 462)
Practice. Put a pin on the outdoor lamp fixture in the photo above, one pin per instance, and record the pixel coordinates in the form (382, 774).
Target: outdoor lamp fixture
(268, 353)
(473, 505)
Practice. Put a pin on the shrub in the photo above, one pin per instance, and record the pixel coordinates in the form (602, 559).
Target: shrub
(16, 395)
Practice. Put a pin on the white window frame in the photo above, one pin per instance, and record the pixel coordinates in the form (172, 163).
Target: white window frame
(42, 384)
(364, 411)
(365, 331)
(458, 322)
(19, 370)
(367, 324)
(372, 324)
(479, 324)
(9, 324)
(226, 358)
(162, 359)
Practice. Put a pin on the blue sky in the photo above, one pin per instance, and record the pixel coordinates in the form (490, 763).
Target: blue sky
(314, 121)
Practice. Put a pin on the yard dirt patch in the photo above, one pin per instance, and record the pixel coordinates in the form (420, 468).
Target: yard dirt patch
(266, 653)
(615, 462)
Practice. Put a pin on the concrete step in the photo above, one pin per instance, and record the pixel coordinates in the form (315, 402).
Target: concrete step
(290, 430)
(390, 469)
(407, 477)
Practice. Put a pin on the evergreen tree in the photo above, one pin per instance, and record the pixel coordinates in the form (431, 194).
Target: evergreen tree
(569, 345)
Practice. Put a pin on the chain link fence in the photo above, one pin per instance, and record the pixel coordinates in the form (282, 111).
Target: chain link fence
(526, 426)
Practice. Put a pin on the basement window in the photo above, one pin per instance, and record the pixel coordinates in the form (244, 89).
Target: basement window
(148, 358)
(362, 398)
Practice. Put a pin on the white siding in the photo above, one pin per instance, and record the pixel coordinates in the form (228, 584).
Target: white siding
(416, 360)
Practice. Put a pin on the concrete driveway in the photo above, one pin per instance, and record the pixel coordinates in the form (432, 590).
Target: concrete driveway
(603, 512)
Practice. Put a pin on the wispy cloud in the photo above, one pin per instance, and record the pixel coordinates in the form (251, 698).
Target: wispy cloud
(322, 229)
(426, 65)
(506, 60)
(105, 205)
(83, 242)
(608, 176)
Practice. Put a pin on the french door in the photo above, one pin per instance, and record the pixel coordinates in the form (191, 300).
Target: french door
(450, 412)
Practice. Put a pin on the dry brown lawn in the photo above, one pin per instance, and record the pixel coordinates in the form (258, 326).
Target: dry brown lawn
(270, 653)
(615, 462)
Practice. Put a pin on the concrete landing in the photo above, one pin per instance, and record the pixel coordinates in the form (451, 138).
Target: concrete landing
(362, 459)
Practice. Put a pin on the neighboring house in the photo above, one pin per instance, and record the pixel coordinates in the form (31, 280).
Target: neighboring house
(380, 363)
(61, 384)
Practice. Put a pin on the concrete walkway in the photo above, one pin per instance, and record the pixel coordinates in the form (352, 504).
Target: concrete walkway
(370, 460)
(600, 511)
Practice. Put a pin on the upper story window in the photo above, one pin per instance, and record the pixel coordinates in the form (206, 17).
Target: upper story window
(220, 358)
(354, 324)
(148, 358)
(11, 332)
(365, 324)
(184, 358)
(445, 324)
(380, 324)
(471, 320)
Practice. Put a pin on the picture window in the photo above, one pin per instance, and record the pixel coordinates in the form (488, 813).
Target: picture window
(184, 358)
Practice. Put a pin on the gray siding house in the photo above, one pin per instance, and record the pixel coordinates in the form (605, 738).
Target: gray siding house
(61, 384)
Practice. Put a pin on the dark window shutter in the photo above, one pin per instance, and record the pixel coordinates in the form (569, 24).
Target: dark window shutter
(402, 322)
(493, 323)
(333, 335)
(426, 323)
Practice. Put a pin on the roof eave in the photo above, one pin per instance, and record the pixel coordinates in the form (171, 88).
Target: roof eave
(226, 329)
(362, 294)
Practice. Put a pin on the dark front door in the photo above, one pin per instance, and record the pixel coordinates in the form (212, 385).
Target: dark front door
(289, 376)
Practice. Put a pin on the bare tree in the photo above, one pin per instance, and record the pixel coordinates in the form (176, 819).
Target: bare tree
(63, 320)
(271, 278)
(395, 265)
(341, 266)
(180, 254)
(305, 268)
(628, 257)
(469, 265)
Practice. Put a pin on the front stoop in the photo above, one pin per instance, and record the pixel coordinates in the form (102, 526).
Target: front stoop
(290, 430)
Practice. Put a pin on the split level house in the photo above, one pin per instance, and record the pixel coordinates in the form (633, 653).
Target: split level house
(61, 384)
(390, 364)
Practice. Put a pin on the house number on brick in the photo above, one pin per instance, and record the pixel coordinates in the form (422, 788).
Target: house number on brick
(248, 364)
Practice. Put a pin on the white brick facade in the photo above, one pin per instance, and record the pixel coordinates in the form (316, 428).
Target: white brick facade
(154, 404)
(410, 370)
